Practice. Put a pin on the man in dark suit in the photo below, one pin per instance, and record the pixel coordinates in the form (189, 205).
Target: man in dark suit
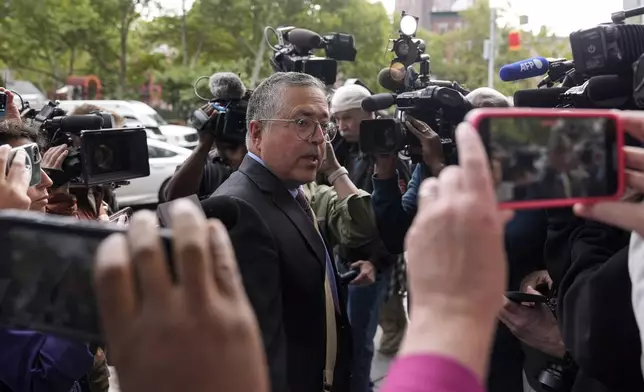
(287, 271)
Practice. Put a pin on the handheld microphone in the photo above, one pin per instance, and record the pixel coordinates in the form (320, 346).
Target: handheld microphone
(378, 102)
(539, 98)
(226, 86)
(304, 39)
(524, 69)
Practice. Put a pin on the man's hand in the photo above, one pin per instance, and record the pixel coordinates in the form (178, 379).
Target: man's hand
(54, 157)
(12, 110)
(330, 163)
(367, 273)
(456, 260)
(200, 333)
(430, 143)
(534, 325)
(15, 183)
(536, 279)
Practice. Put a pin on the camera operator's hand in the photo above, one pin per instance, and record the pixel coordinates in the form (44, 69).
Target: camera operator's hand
(12, 109)
(367, 273)
(14, 185)
(200, 333)
(536, 279)
(206, 132)
(330, 163)
(624, 214)
(456, 260)
(54, 157)
(534, 325)
(430, 143)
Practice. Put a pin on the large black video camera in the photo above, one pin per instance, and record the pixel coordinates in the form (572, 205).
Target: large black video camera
(98, 153)
(294, 52)
(607, 70)
(439, 103)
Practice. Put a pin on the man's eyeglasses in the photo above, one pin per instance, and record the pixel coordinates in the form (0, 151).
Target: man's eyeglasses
(305, 127)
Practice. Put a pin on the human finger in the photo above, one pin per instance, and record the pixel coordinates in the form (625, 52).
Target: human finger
(477, 176)
(634, 124)
(635, 180)
(4, 157)
(628, 216)
(191, 250)
(428, 192)
(634, 158)
(451, 181)
(60, 157)
(149, 259)
(226, 270)
(114, 285)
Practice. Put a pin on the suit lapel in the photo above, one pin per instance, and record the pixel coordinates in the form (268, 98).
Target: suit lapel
(267, 182)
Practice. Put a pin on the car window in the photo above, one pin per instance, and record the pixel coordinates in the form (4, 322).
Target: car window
(155, 152)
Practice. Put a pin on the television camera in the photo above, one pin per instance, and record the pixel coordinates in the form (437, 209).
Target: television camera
(98, 152)
(607, 69)
(294, 52)
(439, 103)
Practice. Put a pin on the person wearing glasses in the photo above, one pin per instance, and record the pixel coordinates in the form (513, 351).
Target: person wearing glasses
(286, 267)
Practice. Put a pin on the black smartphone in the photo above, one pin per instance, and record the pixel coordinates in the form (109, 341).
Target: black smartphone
(545, 158)
(127, 212)
(46, 273)
(32, 162)
(520, 297)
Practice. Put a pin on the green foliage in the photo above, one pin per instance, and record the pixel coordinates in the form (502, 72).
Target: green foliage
(48, 40)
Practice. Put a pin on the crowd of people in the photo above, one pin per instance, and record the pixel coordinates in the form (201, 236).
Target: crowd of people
(302, 245)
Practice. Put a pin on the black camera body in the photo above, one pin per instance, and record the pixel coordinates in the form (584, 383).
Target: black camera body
(227, 123)
(294, 52)
(442, 108)
(97, 152)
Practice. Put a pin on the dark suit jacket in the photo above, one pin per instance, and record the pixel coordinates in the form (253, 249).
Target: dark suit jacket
(282, 261)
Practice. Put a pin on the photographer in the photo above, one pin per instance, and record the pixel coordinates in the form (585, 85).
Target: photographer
(365, 302)
(209, 165)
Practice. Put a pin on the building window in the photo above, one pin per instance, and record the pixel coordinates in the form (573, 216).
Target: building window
(458, 25)
(443, 27)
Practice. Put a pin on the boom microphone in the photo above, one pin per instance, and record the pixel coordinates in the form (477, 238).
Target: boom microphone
(378, 102)
(226, 86)
(539, 98)
(386, 81)
(524, 69)
(304, 39)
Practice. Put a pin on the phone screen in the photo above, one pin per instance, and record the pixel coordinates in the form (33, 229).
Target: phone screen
(46, 281)
(541, 158)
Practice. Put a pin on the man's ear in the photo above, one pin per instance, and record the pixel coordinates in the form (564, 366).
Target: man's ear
(255, 132)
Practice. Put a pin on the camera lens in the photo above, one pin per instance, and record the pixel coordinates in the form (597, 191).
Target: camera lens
(104, 157)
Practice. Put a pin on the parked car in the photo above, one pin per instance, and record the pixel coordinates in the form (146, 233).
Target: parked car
(136, 111)
(164, 159)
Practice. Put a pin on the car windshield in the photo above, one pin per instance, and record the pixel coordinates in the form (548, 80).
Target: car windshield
(157, 118)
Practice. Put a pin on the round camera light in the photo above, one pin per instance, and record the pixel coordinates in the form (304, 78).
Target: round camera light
(408, 25)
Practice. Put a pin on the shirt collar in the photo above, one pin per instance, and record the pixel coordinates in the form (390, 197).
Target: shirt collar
(259, 160)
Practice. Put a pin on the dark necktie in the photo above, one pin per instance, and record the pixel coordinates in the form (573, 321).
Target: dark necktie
(301, 200)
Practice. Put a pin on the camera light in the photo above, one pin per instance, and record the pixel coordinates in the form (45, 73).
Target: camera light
(408, 25)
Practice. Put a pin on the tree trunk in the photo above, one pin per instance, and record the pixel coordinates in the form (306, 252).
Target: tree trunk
(184, 33)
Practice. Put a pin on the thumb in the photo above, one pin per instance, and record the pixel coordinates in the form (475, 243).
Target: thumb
(531, 290)
(357, 264)
(628, 216)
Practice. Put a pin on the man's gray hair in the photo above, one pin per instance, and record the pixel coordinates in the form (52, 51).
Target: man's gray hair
(485, 97)
(266, 100)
